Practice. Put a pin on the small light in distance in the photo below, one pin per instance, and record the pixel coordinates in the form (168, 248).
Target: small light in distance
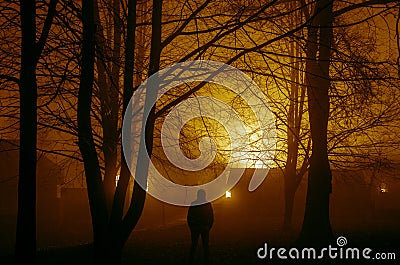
(116, 180)
(228, 194)
(383, 188)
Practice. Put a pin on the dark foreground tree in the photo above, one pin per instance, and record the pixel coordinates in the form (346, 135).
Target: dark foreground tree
(26, 222)
(320, 44)
(111, 229)
(316, 225)
(31, 51)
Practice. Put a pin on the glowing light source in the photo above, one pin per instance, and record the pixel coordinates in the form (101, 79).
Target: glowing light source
(116, 180)
(383, 188)
(259, 164)
(228, 194)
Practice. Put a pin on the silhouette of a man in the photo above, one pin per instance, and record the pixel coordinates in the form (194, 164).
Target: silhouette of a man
(200, 219)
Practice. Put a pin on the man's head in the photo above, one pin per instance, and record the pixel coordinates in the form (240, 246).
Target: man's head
(201, 195)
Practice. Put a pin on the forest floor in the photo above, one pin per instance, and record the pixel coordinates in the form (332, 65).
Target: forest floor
(231, 243)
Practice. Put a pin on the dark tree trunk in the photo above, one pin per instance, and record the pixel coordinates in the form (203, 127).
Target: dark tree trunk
(111, 128)
(120, 193)
(97, 200)
(121, 227)
(108, 85)
(110, 235)
(146, 143)
(292, 177)
(26, 221)
(116, 240)
(290, 192)
(316, 227)
(292, 181)
(31, 51)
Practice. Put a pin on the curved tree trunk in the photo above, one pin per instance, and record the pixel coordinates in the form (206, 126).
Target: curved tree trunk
(111, 231)
(96, 194)
(146, 143)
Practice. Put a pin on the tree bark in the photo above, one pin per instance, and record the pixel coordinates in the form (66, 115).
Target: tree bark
(117, 241)
(110, 235)
(316, 227)
(97, 200)
(120, 193)
(108, 85)
(25, 248)
(121, 227)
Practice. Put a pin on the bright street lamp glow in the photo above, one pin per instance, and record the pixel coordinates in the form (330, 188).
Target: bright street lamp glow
(383, 188)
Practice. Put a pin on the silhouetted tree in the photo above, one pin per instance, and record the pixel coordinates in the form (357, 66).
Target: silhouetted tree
(316, 225)
(237, 33)
(31, 50)
(319, 49)
(110, 237)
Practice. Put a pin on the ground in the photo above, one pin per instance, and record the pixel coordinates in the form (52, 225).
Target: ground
(235, 243)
